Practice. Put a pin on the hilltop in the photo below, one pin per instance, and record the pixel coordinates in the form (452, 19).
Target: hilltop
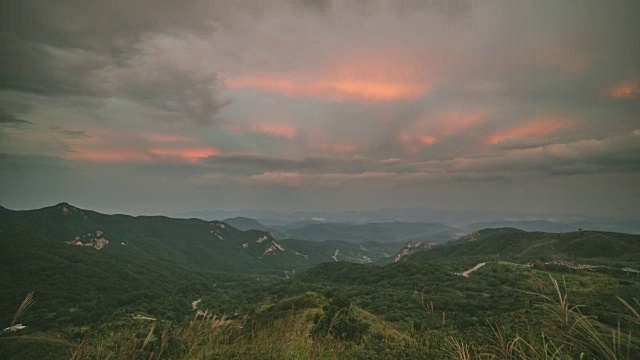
(510, 243)
(111, 278)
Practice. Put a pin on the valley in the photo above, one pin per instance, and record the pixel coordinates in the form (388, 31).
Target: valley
(100, 281)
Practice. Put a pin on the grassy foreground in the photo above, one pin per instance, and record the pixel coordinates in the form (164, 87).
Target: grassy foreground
(310, 326)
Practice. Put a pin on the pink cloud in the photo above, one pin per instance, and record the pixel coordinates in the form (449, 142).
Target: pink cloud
(413, 143)
(113, 147)
(453, 122)
(267, 129)
(534, 129)
(170, 138)
(391, 77)
(276, 130)
(233, 128)
(330, 88)
(625, 90)
(187, 154)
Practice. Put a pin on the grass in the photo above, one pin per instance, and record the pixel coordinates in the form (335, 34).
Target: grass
(283, 331)
(568, 334)
(26, 304)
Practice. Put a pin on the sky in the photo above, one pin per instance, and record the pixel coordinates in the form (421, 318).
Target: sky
(149, 107)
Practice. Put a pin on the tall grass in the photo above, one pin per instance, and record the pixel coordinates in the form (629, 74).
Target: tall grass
(568, 334)
(26, 304)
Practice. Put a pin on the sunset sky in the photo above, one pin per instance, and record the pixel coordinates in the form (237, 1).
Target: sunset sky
(163, 107)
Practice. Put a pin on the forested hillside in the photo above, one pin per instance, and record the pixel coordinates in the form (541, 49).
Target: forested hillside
(130, 287)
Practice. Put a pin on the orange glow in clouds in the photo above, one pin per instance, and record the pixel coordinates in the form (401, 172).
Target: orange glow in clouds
(191, 155)
(454, 122)
(329, 89)
(267, 129)
(188, 154)
(107, 147)
(413, 143)
(626, 90)
(353, 78)
(537, 128)
(277, 130)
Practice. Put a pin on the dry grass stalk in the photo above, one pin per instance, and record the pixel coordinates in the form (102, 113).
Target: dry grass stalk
(149, 338)
(457, 349)
(81, 351)
(26, 303)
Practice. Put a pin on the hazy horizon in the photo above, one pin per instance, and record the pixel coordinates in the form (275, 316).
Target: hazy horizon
(529, 108)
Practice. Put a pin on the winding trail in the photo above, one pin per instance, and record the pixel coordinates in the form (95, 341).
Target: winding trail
(466, 273)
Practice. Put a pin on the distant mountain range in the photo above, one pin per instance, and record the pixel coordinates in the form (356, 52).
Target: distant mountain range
(86, 266)
(383, 232)
(556, 226)
(211, 245)
(464, 221)
(511, 243)
(71, 255)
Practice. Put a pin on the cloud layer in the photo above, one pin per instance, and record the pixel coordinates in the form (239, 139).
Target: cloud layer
(321, 104)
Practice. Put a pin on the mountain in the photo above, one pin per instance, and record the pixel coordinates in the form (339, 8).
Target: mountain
(119, 279)
(632, 227)
(72, 256)
(337, 250)
(510, 243)
(212, 245)
(527, 225)
(412, 247)
(245, 223)
(386, 232)
(191, 243)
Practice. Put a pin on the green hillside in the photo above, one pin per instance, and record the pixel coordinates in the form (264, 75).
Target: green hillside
(191, 289)
(508, 243)
(151, 264)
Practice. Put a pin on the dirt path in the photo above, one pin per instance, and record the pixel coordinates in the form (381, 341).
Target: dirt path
(466, 273)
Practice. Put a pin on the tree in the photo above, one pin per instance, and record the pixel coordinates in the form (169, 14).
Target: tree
(340, 321)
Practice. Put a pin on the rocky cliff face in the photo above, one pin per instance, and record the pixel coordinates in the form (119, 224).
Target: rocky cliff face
(412, 247)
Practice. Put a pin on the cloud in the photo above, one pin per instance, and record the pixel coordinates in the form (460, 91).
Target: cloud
(10, 118)
(110, 147)
(262, 128)
(276, 130)
(625, 90)
(344, 147)
(158, 75)
(75, 133)
(140, 66)
(413, 143)
(257, 164)
(348, 89)
(400, 97)
(609, 155)
(537, 128)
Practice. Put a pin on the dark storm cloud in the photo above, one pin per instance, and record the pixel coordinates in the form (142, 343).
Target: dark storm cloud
(610, 155)
(43, 69)
(10, 118)
(177, 92)
(97, 49)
